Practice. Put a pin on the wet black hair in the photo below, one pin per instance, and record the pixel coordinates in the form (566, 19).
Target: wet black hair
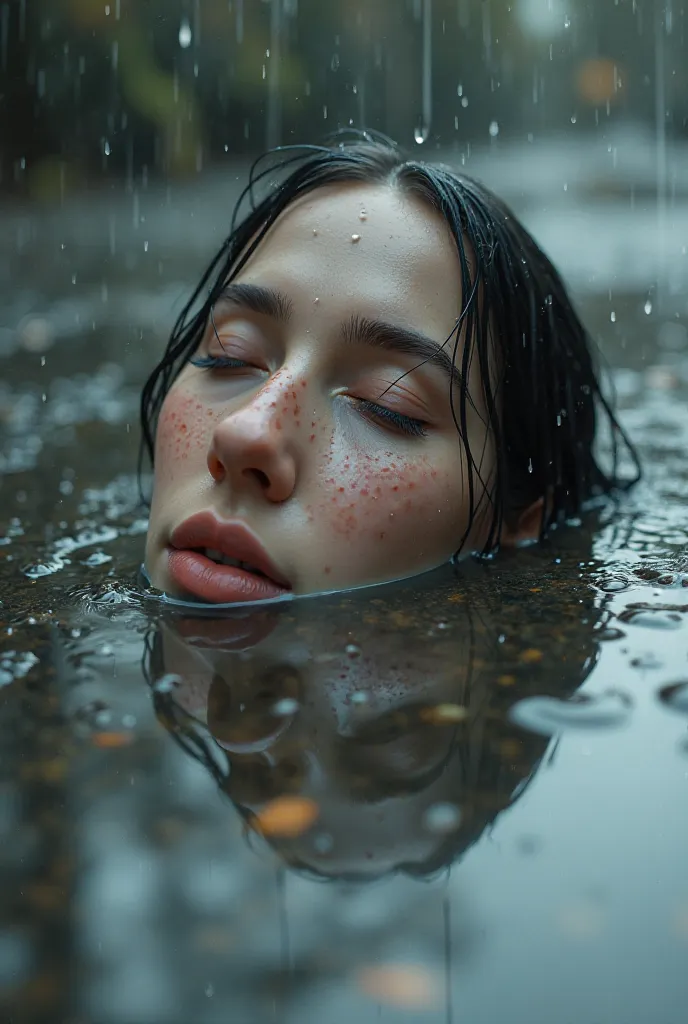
(537, 362)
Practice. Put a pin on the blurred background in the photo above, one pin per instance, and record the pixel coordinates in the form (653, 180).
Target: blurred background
(134, 90)
(127, 128)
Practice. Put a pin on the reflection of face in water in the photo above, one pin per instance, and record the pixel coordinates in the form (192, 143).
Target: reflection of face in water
(391, 728)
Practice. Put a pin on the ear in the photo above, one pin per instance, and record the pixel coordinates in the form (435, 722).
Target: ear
(527, 527)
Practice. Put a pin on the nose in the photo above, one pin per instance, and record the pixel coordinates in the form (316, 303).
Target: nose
(253, 448)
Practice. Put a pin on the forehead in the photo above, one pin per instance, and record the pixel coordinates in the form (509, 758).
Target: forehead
(389, 251)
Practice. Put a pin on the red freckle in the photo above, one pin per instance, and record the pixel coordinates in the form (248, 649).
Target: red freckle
(298, 423)
(433, 473)
(382, 536)
(340, 489)
(328, 569)
(312, 423)
(273, 404)
(209, 412)
(395, 488)
(297, 408)
(411, 486)
(182, 426)
(278, 424)
(312, 437)
(303, 383)
(364, 492)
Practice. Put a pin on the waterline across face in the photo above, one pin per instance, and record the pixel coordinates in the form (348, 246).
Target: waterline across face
(310, 437)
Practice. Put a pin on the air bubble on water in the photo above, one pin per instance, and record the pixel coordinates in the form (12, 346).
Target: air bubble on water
(442, 818)
(675, 696)
(494, 129)
(648, 307)
(185, 34)
(323, 843)
(285, 707)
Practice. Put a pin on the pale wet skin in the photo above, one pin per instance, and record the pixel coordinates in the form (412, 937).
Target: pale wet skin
(457, 798)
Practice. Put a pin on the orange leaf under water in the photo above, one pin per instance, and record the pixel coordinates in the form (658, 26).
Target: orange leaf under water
(403, 985)
(287, 816)
(111, 740)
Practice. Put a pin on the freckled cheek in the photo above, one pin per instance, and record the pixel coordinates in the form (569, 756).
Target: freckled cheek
(184, 431)
(386, 499)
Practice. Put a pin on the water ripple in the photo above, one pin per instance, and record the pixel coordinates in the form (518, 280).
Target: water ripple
(549, 716)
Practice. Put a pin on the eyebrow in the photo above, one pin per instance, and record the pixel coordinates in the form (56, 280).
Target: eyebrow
(380, 334)
(257, 299)
(357, 330)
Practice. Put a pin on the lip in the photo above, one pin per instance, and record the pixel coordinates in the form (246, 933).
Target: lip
(198, 575)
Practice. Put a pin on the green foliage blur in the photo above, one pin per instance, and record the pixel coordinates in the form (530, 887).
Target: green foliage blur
(93, 91)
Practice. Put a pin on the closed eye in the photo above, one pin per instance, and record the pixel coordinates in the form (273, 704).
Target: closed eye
(219, 363)
(391, 418)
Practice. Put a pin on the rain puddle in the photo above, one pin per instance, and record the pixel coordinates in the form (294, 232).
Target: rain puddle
(456, 799)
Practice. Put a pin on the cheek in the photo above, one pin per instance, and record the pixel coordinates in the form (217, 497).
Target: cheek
(183, 432)
(387, 498)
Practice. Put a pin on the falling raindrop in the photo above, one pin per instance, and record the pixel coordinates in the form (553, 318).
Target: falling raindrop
(423, 128)
(612, 317)
(648, 307)
(185, 34)
(494, 129)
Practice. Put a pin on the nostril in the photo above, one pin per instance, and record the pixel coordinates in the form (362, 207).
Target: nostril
(262, 478)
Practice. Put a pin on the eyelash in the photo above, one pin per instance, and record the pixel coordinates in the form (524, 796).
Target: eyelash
(405, 424)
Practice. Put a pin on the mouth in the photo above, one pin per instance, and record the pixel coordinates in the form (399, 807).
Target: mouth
(222, 562)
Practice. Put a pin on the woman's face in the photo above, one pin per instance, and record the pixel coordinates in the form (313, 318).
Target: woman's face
(324, 448)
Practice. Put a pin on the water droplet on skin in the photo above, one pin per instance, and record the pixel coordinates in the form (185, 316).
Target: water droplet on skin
(442, 818)
(494, 129)
(315, 233)
(185, 34)
(355, 238)
(363, 215)
(316, 301)
(167, 683)
(549, 716)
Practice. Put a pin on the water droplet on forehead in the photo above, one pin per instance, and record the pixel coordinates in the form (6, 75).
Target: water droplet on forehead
(355, 238)
(442, 818)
